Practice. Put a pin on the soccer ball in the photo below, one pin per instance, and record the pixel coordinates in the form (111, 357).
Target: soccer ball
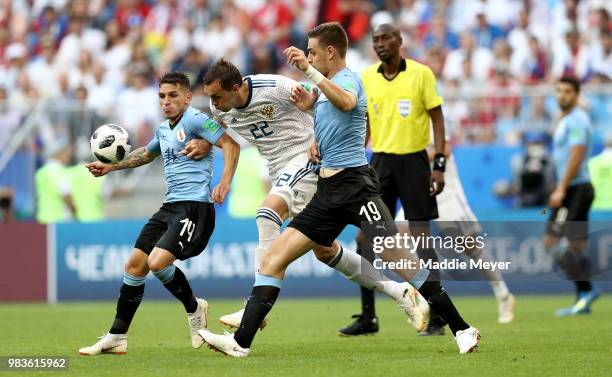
(110, 143)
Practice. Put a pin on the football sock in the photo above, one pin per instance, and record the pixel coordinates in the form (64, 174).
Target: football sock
(368, 307)
(258, 306)
(268, 227)
(439, 301)
(357, 269)
(577, 268)
(130, 296)
(175, 281)
(430, 255)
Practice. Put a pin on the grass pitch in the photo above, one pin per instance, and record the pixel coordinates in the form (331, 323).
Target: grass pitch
(301, 340)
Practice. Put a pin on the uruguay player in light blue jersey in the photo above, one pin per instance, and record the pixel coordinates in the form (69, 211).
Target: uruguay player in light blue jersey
(347, 193)
(572, 198)
(183, 225)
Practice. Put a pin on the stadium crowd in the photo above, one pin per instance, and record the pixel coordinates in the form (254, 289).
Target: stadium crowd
(68, 66)
(96, 61)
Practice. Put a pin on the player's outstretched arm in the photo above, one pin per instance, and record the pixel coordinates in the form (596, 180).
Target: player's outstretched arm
(340, 98)
(136, 158)
(231, 151)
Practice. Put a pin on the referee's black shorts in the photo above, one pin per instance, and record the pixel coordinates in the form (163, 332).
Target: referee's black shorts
(571, 219)
(406, 176)
(351, 196)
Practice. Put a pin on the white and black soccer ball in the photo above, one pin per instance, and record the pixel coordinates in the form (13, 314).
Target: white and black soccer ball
(110, 143)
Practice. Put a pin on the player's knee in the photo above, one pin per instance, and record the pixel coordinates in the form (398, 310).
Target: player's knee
(136, 267)
(324, 254)
(157, 264)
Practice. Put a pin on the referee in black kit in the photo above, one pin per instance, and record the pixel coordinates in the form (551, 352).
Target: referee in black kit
(402, 100)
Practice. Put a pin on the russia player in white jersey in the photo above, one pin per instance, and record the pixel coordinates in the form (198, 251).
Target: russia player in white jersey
(259, 109)
(453, 208)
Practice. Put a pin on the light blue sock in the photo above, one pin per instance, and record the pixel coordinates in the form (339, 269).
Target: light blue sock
(166, 274)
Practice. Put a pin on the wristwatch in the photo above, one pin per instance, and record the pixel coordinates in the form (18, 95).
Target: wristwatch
(439, 162)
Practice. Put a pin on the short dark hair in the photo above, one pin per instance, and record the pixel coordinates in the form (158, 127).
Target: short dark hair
(571, 80)
(224, 71)
(331, 34)
(175, 78)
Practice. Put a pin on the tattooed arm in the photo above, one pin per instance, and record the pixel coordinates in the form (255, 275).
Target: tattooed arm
(139, 157)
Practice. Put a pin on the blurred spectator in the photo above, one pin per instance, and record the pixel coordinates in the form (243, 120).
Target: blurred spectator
(530, 66)
(16, 56)
(195, 65)
(43, 71)
(485, 34)
(138, 108)
(354, 15)
(601, 55)
(480, 60)
(79, 37)
(220, 39)
(117, 52)
(49, 23)
(518, 38)
(439, 35)
(571, 57)
(9, 119)
(202, 12)
(81, 122)
(131, 13)
(414, 14)
(53, 191)
(102, 95)
(434, 58)
(502, 56)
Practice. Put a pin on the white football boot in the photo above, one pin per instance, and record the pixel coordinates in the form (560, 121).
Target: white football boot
(467, 340)
(409, 306)
(109, 343)
(197, 321)
(505, 308)
(224, 343)
(233, 320)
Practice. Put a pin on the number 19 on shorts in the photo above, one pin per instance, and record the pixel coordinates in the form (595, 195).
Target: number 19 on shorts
(370, 212)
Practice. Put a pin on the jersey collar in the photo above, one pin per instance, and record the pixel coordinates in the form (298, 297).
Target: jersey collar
(402, 68)
(248, 101)
(172, 127)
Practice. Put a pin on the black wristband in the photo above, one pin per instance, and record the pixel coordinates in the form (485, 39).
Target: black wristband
(439, 162)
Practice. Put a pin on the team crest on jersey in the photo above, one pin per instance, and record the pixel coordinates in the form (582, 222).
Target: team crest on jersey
(376, 108)
(267, 111)
(180, 135)
(404, 106)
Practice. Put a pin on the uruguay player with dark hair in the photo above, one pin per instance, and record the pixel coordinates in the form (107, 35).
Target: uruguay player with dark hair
(183, 225)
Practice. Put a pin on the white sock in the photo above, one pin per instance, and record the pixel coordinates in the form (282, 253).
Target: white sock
(268, 227)
(500, 289)
(359, 270)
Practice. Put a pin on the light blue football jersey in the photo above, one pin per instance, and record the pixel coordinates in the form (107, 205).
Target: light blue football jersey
(573, 129)
(341, 135)
(186, 179)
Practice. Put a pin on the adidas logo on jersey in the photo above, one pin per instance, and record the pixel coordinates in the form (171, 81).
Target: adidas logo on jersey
(234, 120)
